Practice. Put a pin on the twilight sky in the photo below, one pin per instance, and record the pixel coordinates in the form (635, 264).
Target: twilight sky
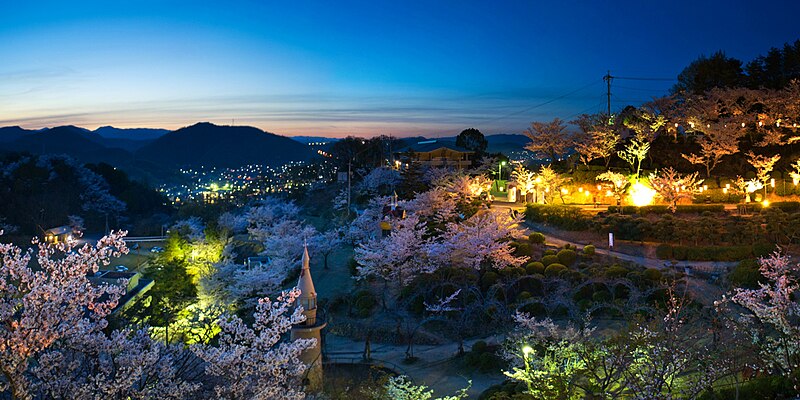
(334, 68)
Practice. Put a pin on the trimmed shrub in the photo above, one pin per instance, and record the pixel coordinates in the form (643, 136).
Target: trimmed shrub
(536, 238)
(746, 275)
(522, 296)
(588, 250)
(549, 252)
(661, 209)
(524, 249)
(564, 217)
(549, 259)
(652, 274)
(479, 347)
(567, 257)
(616, 271)
(554, 269)
(488, 279)
(535, 267)
(763, 249)
(664, 251)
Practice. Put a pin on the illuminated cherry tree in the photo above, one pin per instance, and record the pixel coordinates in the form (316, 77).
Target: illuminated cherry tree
(399, 256)
(253, 362)
(634, 153)
(525, 180)
(549, 139)
(42, 306)
(673, 186)
(478, 241)
(617, 181)
(774, 305)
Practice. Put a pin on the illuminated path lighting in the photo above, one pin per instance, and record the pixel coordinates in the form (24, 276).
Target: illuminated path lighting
(641, 195)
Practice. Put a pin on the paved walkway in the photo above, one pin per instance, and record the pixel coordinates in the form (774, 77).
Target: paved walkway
(436, 366)
(553, 239)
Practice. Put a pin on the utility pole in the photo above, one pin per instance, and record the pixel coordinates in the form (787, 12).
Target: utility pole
(608, 79)
(349, 162)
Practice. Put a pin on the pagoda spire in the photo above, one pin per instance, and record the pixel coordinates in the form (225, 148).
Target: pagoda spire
(308, 295)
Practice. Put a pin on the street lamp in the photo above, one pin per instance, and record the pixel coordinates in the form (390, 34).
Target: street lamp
(526, 351)
(500, 170)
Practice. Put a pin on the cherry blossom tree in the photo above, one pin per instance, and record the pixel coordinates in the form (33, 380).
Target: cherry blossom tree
(617, 181)
(253, 362)
(478, 241)
(53, 302)
(598, 138)
(634, 153)
(525, 180)
(646, 124)
(551, 182)
(127, 364)
(673, 186)
(763, 166)
(401, 388)
(399, 256)
(715, 144)
(774, 305)
(549, 139)
(326, 243)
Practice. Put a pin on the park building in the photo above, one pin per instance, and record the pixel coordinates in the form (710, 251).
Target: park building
(310, 328)
(432, 153)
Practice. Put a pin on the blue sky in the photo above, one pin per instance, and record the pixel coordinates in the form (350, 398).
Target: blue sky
(336, 68)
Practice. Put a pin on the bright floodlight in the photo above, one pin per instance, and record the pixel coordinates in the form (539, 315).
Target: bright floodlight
(527, 350)
(641, 195)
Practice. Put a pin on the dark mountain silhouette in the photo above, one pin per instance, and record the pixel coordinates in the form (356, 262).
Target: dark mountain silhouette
(109, 132)
(227, 146)
(78, 143)
(12, 133)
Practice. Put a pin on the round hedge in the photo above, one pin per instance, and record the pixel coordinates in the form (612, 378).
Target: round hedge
(535, 267)
(536, 238)
(567, 256)
(652, 274)
(555, 269)
(549, 259)
(589, 250)
(616, 271)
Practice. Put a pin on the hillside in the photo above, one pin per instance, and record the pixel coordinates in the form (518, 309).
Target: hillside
(226, 146)
(138, 134)
(12, 133)
(78, 143)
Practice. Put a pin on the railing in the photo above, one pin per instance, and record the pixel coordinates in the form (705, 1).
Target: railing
(355, 357)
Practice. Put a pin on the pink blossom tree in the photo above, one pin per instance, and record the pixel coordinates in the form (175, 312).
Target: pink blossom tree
(253, 362)
(42, 306)
(774, 305)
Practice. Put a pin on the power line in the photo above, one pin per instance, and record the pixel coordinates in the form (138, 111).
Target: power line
(541, 104)
(645, 79)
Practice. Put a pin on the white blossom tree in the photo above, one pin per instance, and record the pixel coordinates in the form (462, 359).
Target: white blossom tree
(525, 180)
(617, 181)
(774, 305)
(673, 186)
(53, 302)
(326, 243)
(549, 139)
(253, 362)
(401, 388)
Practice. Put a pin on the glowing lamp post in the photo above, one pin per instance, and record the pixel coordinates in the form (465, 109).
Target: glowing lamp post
(526, 351)
(641, 195)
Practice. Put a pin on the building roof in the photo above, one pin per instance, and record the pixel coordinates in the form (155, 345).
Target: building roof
(305, 283)
(59, 230)
(431, 145)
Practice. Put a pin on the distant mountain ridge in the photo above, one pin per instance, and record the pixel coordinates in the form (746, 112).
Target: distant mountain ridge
(110, 132)
(227, 146)
(200, 144)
